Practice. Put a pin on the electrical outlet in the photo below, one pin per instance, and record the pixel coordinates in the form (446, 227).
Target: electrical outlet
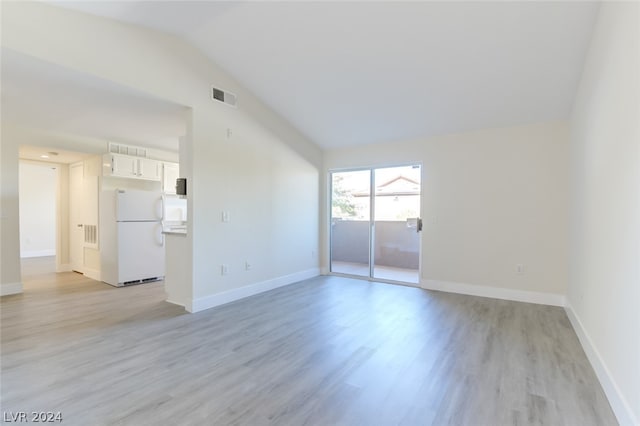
(520, 269)
(224, 269)
(225, 216)
(247, 266)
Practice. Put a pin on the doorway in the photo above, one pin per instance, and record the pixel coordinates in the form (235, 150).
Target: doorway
(375, 223)
(38, 188)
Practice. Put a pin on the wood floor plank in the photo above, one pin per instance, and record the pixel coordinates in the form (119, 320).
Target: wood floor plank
(326, 351)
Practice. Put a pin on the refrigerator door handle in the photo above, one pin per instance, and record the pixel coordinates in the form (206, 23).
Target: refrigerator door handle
(160, 241)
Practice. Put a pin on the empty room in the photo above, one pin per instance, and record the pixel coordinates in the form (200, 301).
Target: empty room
(323, 213)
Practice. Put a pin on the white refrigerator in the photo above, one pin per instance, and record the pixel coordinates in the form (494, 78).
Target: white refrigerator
(132, 245)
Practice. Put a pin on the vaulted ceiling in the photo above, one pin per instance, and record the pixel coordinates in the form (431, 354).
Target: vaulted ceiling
(347, 73)
(66, 104)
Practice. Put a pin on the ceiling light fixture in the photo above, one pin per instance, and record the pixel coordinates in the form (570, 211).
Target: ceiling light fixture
(44, 156)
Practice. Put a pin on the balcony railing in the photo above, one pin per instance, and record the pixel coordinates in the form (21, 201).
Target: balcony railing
(395, 243)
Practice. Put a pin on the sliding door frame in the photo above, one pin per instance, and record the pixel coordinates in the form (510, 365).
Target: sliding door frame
(371, 227)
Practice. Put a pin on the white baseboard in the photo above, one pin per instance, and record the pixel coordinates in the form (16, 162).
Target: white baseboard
(10, 288)
(38, 253)
(207, 302)
(174, 302)
(619, 405)
(65, 267)
(552, 299)
(94, 274)
(171, 300)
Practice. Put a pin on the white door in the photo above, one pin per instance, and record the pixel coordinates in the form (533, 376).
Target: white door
(76, 230)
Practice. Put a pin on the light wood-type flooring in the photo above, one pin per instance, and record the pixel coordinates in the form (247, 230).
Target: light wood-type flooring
(326, 351)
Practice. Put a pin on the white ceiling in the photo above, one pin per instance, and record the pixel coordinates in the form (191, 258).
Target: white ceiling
(53, 154)
(44, 96)
(347, 73)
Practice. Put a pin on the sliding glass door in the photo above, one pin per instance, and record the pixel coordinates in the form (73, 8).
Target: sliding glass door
(375, 223)
(351, 222)
(396, 241)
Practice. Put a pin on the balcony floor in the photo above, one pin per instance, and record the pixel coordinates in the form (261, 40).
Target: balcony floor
(404, 275)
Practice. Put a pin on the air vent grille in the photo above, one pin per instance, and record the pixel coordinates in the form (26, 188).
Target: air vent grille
(91, 235)
(136, 151)
(223, 96)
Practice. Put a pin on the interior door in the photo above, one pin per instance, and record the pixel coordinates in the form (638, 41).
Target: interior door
(76, 214)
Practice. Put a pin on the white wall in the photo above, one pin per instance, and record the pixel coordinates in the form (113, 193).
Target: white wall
(38, 194)
(604, 290)
(490, 200)
(271, 196)
(10, 280)
(274, 211)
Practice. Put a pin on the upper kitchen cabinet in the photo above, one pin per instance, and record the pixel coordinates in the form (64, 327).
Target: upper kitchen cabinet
(170, 172)
(131, 167)
(120, 165)
(149, 169)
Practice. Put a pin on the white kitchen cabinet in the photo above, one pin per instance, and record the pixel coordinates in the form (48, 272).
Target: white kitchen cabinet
(149, 169)
(125, 166)
(131, 167)
(170, 172)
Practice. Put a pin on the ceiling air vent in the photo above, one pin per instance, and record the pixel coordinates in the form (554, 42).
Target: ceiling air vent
(224, 97)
